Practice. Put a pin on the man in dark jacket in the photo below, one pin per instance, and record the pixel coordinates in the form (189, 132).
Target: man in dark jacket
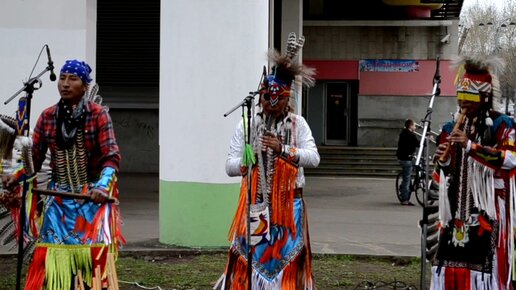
(407, 144)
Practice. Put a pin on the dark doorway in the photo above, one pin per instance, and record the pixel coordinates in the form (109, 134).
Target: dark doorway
(337, 103)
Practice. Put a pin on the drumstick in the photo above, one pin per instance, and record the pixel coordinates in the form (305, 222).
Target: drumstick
(68, 195)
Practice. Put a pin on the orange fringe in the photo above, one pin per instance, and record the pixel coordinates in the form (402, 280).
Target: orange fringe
(282, 195)
(36, 273)
(282, 198)
(240, 279)
(96, 224)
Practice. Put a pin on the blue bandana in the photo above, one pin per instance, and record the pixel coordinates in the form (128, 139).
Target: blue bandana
(78, 68)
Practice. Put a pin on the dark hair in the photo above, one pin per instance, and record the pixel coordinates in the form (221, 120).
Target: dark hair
(408, 123)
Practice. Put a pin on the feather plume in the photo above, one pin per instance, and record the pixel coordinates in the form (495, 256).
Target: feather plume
(7, 136)
(4, 213)
(294, 45)
(93, 92)
(286, 69)
(28, 251)
(6, 232)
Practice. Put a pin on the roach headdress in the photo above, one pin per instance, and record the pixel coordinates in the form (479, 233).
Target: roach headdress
(477, 79)
(286, 73)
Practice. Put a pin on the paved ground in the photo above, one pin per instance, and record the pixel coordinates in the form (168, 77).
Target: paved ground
(346, 216)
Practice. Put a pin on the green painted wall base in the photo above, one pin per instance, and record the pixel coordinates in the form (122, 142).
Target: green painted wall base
(196, 214)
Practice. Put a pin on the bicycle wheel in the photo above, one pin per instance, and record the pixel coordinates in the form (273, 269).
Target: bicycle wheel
(399, 179)
(419, 190)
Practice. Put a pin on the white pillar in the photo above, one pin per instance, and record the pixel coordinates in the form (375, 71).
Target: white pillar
(211, 57)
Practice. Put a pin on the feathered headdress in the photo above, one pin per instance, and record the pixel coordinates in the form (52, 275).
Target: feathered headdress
(477, 81)
(286, 73)
(477, 78)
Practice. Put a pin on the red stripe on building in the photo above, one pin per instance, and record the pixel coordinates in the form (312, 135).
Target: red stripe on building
(417, 83)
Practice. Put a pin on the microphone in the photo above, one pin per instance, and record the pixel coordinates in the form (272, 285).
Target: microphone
(50, 65)
(437, 76)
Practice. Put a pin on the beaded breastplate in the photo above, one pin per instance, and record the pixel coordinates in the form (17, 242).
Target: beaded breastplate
(71, 164)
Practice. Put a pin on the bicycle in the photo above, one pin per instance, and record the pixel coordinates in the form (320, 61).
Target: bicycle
(417, 183)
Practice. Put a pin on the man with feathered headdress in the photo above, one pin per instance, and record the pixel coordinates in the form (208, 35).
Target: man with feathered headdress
(475, 176)
(281, 145)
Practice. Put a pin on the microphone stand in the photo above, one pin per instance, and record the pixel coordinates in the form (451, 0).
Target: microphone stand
(248, 102)
(423, 146)
(29, 87)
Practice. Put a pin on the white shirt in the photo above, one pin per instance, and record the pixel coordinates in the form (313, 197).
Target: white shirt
(305, 145)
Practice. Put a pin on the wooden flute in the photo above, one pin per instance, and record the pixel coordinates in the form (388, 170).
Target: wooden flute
(459, 123)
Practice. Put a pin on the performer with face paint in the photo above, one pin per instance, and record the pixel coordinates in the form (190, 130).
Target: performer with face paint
(282, 144)
(73, 236)
(475, 181)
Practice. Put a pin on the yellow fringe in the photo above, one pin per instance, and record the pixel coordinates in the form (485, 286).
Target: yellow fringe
(64, 262)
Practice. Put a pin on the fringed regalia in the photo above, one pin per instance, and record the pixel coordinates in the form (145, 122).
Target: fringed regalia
(74, 236)
(476, 205)
(280, 243)
(476, 186)
(69, 238)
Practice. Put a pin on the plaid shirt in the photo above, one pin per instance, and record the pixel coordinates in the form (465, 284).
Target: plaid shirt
(99, 139)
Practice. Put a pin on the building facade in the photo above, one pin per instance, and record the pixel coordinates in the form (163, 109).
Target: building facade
(169, 70)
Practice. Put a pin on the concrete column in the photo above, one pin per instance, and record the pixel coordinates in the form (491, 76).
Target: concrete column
(211, 58)
(292, 21)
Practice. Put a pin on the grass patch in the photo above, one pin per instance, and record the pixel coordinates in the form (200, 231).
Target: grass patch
(201, 270)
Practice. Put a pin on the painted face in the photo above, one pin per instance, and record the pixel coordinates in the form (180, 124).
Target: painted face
(71, 88)
(274, 110)
(274, 90)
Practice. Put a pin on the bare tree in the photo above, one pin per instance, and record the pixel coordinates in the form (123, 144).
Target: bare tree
(488, 30)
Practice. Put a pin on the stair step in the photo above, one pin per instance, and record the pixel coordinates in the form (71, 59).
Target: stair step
(352, 173)
(359, 160)
(356, 161)
(358, 166)
(356, 156)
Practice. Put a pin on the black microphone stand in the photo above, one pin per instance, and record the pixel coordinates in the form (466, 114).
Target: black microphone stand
(28, 87)
(423, 146)
(248, 102)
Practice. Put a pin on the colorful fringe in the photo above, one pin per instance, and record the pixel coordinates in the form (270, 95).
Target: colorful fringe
(499, 204)
(282, 197)
(54, 266)
(285, 261)
(295, 276)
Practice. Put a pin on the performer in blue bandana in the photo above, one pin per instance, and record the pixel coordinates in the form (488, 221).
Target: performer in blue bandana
(73, 237)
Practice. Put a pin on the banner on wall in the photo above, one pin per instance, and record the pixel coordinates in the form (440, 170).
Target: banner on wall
(389, 65)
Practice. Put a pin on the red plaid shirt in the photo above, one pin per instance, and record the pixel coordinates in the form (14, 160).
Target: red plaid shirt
(99, 139)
